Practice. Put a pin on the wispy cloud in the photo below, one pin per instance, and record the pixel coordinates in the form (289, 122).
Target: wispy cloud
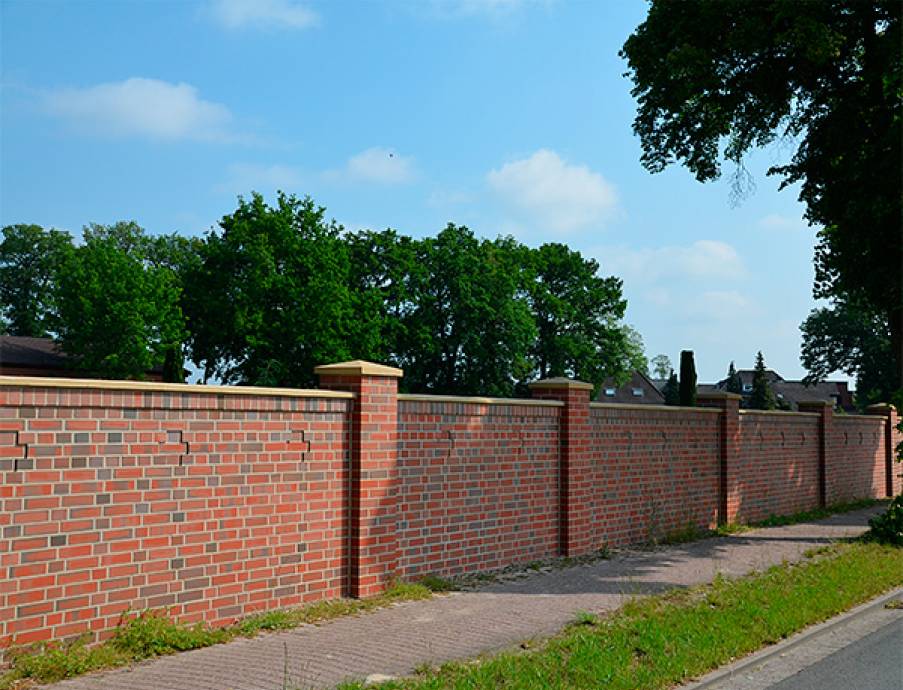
(243, 178)
(776, 221)
(702, 260)
(143, 108)
(377, 165)
(550, 193)
(263, 14)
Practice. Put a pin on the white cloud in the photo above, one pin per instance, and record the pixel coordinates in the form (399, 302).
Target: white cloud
(554, 194)
(379, 165)
(237, 14)
(141, 107)
(722, 306)
(242, 178)
(701, 260)
(776, 221)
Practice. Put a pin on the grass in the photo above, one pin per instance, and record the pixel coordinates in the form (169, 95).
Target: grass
(152, 633)
(805, 516)
(660, 641)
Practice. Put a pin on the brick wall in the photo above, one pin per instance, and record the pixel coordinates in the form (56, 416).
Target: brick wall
(856, 467)
(778, 467)
(213, 505)
(219, 502)
(655, 471)
(478, 484)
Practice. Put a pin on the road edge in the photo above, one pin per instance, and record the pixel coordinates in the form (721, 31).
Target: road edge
(717, 676)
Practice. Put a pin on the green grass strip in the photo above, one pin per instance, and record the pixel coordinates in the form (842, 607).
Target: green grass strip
(660, 641)
(151, 634)
(796, 518)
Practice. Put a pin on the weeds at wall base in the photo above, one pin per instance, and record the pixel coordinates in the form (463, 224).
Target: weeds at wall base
(150, 634)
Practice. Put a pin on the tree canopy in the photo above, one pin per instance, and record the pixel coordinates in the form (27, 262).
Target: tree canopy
(716, 78)
(30, 258)
(762, 397)
(277, 289)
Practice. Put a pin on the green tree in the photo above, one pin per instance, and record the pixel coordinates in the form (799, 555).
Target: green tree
(733, 383)
(269, 298)
(468, 332)
(671, 391)
(384, 277)
(717, 78)
(577, 314)
(687, 379)
(762, 397)
(30, 259)
(661, 366)
(118, 313)
(851, 338)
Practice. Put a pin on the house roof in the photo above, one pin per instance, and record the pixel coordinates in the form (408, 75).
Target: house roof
(650, 394)
(38, 353)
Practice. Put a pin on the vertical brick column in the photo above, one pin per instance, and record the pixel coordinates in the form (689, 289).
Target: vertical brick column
(729, 488)
(575, 477)
(373, 543)
(892, 470)
(826, 411)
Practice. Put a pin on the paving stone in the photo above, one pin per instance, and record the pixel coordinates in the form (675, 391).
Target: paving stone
(395, 640)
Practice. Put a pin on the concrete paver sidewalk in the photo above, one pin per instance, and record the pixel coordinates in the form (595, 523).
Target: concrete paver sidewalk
(395, 640)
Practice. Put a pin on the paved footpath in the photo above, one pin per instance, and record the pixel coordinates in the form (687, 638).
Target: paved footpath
(395, 640)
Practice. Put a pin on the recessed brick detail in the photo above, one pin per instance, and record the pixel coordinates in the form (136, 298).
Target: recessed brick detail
(218, 505)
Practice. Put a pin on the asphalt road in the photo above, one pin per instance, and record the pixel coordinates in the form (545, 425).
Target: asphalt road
(874, 662)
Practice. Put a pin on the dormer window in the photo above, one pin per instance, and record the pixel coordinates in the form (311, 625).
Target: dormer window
(638, 392)
(610, 392)
(747, 388)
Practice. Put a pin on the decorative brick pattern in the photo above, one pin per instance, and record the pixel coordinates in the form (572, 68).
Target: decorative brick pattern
(478, 486)
(217, 503)
(856, 467)
(654, 472)
(212, 506)
(778, 468)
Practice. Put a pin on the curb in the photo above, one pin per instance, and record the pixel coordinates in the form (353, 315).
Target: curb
(719, 675)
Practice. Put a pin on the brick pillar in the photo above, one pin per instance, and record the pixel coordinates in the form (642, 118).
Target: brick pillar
(826, 420)
(892, 483)
(728, 489)
(575, 483)
(373, 544)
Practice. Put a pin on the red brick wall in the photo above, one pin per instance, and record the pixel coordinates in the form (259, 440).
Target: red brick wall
(778, 467)
(655, 471)
(221, 502)
(856, 467)
(478, 485)
(215, 506)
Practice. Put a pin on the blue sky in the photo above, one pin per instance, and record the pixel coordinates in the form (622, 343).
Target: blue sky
(508, 116)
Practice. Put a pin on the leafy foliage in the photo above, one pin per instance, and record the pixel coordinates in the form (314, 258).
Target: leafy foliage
(270, 299)
(687, 379)
(733, 384)
(661, 366)
(852, 338)
(716, 78)
(762, 397)
(119, 304)
(671, 391)
(887, 527)
(30, 258)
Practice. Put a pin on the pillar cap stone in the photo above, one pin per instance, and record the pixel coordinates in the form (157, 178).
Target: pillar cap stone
(718, 395)
(881, 407)
(560, 382)
(358, 367)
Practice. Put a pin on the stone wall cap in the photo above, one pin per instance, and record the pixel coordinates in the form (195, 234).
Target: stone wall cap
(815, 403)
(160, 387)
(358, 367)
(881, 407)
(559, 382)
(718, 395)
